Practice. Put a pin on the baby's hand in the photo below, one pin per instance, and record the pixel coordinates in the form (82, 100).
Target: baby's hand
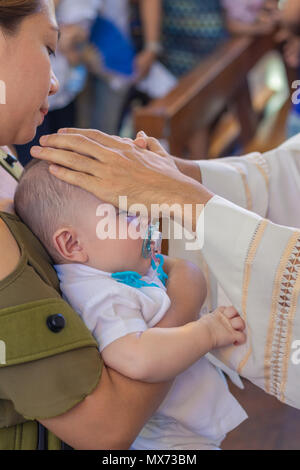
(225, 326)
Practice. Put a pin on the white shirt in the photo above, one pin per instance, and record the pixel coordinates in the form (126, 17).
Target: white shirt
(252, 254)
(70, 12)
(199, 400)
(117, 11)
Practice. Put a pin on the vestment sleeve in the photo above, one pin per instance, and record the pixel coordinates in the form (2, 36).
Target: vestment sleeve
(252, 253)
(242, 180)
(257, 263)
(267, 184)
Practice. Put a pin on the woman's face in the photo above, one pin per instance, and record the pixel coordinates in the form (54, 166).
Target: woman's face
(25, 69)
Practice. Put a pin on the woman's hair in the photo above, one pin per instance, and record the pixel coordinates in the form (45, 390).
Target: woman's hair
(12, 12)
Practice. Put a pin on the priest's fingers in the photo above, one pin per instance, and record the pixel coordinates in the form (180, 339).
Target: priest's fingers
(71, 160)
(111, 141)
(152, 144)
(100, 187)
(76, 178)
(85, 146)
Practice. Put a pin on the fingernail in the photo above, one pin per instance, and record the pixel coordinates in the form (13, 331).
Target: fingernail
(141, 142)
(43, 139)
(35, 150)
(142, 134)
(53, 169)
(62, 131)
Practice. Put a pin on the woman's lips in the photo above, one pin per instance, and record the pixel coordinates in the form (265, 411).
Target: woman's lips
(44, 113)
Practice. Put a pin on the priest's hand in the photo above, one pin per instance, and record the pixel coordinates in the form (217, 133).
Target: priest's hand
(109, 167)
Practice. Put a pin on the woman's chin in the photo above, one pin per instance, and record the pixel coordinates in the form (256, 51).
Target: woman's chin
(25, 137)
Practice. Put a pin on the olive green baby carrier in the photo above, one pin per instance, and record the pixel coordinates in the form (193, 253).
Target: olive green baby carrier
(48, 359)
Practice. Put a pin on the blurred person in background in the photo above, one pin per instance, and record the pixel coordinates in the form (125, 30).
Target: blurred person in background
(120, 66)
(194, 29)
(75, 18)
(251, 17)
(191, 30)
(290, 37)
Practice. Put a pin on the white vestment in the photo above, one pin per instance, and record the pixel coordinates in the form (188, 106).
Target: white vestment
(252, 253)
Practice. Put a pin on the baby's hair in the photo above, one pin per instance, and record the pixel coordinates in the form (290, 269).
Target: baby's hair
(45, 203)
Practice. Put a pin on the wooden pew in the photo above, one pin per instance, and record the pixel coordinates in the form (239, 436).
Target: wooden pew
(201, 96)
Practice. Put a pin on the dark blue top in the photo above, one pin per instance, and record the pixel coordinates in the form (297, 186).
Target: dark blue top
(192, 29)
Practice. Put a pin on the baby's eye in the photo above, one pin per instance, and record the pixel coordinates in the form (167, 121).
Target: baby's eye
(126, 214)
(51, 51)
(120, 212)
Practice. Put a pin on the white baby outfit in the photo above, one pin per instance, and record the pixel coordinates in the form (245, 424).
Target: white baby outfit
(199, 409)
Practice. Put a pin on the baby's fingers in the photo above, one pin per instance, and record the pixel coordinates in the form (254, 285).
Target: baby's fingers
(229, 312)
(240, 338)
(238, 323)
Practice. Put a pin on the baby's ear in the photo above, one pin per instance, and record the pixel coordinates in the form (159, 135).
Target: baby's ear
(68, 246)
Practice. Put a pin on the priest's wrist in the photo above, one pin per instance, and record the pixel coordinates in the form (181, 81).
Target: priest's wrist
(189, 168)
(189, 204)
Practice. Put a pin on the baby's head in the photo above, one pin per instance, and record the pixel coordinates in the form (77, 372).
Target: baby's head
(66, 220)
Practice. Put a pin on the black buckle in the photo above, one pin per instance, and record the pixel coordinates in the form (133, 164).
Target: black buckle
(10, 160)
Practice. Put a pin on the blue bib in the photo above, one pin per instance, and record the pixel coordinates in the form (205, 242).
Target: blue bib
(134, 279)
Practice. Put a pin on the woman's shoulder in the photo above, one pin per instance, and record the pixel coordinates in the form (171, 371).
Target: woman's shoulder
(9, 251)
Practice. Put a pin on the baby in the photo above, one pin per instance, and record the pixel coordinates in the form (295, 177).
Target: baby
(142, 308)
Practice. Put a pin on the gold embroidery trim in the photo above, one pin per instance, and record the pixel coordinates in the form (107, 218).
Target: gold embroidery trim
(290, 321)
(283, 307)
(259, 232)
(261, 164)
(245, 183)
(249, 203)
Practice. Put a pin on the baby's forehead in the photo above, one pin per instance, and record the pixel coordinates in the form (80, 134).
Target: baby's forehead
(90, 204)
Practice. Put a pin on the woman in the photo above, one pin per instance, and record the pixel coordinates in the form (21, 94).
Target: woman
(192, 30)
(115, 408)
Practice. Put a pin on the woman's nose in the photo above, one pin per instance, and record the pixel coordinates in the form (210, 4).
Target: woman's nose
(54, 84)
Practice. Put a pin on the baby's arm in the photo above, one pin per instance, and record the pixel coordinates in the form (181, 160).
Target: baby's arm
(186, 288)
(160, 354)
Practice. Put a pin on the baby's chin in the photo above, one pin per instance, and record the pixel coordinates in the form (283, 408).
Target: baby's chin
(144, 266)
